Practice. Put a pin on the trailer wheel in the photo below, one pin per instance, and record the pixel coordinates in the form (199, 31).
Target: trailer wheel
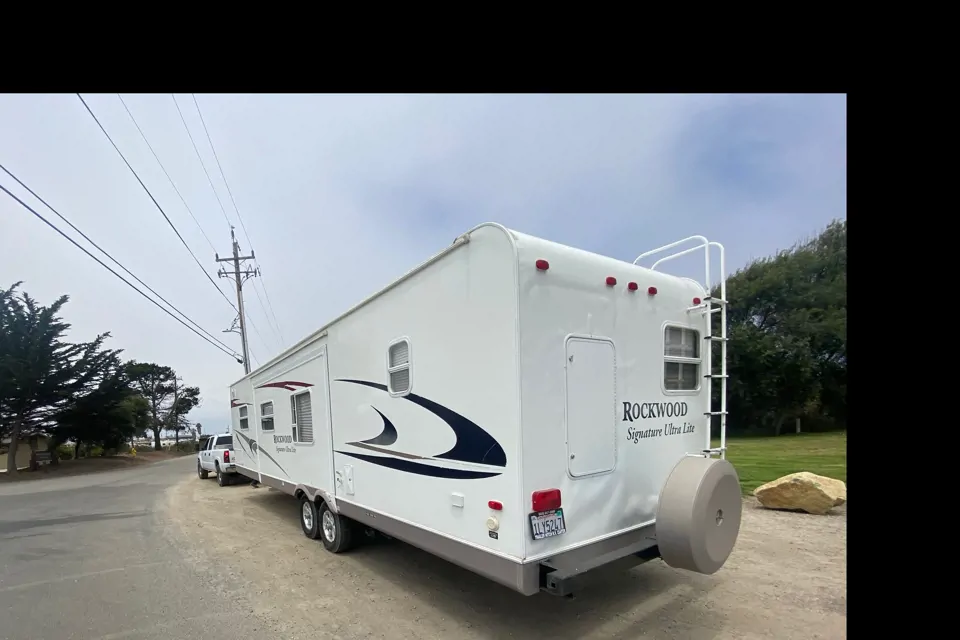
(309, 518)
(336, 531)
(200, 472)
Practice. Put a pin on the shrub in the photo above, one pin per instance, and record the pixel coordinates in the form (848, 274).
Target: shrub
(95, 451)
(65, 452)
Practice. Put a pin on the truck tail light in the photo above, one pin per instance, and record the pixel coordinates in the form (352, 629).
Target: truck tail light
(546, 500)
(226, 455)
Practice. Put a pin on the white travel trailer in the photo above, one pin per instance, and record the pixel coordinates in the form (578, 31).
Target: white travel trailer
(524, 409)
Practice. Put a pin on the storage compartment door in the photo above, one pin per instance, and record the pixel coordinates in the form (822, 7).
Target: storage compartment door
(591, 406)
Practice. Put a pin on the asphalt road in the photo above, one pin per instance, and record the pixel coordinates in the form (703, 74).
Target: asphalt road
(96, 557)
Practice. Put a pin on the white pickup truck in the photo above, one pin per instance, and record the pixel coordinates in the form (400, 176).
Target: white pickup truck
(216, 456)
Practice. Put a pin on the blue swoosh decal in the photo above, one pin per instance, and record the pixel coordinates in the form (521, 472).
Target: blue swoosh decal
(389, 434)
(473, 443)
(422, 469)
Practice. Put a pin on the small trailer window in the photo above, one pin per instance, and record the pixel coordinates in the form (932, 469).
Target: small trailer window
(302, 411)
(398, 367)
(244, 421)
(681, 354)
(266, 416)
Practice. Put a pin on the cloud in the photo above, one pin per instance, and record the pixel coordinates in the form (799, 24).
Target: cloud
(341, 194)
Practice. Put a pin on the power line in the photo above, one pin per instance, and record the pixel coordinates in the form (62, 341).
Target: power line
(262, 306)
(106, 253)
(105, 266)
(172, 184)
(200, 158)
(220, 167)
(268, 318)
(164, 213)
(239, 217)
(270, 304)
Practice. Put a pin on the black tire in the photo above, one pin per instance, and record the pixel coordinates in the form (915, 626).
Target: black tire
(201, 472)
(221, 478)
(309, 518)
(342, 530)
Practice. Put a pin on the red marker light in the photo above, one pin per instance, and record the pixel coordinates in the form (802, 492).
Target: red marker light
(633, 286)
(542, 265)
(546, 500)
(611, 281)
(652, 291)
(697, 301)
(496, 505)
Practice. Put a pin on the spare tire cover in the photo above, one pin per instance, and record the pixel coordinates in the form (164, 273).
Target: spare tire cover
(698, 518)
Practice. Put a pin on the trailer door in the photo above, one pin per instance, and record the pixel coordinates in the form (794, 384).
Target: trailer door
(312, 425)
(591, 406)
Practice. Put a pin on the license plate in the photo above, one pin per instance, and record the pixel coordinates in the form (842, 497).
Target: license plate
(546, 524)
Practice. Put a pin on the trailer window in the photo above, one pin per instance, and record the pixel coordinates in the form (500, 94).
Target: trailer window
(398, 367)
(244, 421)
(302, 410)
(266, 416)
(681, 354)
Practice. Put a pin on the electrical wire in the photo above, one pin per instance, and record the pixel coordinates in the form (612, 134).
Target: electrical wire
(200, 158)
(105, 266)
(262, 306)
(106, 253)
(220, 167)
(172, 184)
(239, 217)
(256, 330)
(270, 304)
(216, 195)
(253, 356)
(164, 213)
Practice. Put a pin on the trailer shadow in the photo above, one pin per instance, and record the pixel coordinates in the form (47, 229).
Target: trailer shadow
(651, 598)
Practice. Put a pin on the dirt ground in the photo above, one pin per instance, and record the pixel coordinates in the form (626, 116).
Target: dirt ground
(785, 579)
(84, 466)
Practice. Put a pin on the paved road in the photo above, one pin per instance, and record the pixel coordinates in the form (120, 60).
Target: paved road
(95, 558)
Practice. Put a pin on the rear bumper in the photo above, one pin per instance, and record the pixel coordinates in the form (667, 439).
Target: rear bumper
(229, 468)
(557, 575)
(561, 574)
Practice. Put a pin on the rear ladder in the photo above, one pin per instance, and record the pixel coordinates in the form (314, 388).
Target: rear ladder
(709, 306)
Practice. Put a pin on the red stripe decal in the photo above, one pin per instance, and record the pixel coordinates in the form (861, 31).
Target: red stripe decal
(289, 385)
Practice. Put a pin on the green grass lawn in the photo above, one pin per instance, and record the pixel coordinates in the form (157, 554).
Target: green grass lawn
(760, 460)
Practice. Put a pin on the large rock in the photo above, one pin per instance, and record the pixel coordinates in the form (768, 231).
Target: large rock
(802, 491)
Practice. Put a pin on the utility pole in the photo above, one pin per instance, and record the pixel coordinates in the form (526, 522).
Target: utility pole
(173, 413)
(239, 276)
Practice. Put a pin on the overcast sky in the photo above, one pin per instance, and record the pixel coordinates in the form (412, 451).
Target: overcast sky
(342, 194)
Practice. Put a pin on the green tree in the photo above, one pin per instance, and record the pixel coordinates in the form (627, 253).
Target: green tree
(167, 402)
(155, 383)
(106, 416)
(139, 410)
(185, 400)
(40, 373)
(787, 318)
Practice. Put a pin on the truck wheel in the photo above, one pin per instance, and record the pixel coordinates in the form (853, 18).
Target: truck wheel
(336, 531)
(201, 472)
(221, 479)
(309, 518)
